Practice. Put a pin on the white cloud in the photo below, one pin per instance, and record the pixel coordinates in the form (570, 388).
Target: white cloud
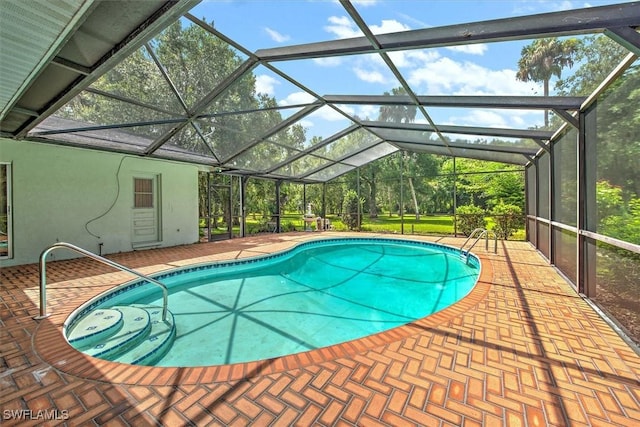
(307, 124)
(328, 113)
(482, 118)
(276, 36)
(370, 112)
(325, 121)
(519, 119)
(413, 58)
(471, 49)
(523, 8)
(296, 98)
(342, 27)
(266, 84)
(562, 5)
(448, 77)
(331, 61)
(364, 3)
(364, 112)
(418, 23)
(369, 76)
(388, 26)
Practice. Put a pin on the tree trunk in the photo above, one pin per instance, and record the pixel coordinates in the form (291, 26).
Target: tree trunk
(373, 209)
(414, 198)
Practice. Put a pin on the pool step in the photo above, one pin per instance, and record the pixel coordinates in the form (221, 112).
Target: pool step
(155, 344)
(95, 327)
(138, 337)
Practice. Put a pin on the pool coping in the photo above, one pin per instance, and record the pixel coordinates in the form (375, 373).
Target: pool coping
(51, 346)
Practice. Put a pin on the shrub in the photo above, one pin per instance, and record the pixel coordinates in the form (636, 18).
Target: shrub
(252, 228)
(508, 219)
(469, 217)
(626, 226)
(288, 226)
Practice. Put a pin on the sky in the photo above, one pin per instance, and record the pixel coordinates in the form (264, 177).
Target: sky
(478, 69)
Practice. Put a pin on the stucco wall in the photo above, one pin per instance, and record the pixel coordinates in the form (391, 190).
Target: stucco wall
(85, 197)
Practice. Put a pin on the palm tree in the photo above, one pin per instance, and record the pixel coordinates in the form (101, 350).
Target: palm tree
(397, 113)
(402, 114)
(545, 58)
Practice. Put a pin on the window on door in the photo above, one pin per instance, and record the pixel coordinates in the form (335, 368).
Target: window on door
(142, 193)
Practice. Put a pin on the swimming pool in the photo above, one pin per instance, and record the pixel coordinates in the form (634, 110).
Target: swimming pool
(317, 294)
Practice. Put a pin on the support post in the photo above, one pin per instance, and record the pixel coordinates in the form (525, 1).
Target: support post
(324, 200)
(359, 207)
(587, 208)
(278, 184)
(243, 206)
(208, 217)
(455, 199)
(401, 192)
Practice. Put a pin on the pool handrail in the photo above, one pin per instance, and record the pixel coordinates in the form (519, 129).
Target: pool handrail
(60, 245)
(471, 236)
(483, 233)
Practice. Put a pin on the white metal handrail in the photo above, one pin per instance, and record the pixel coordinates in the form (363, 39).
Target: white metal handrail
(471, 236)
(483, 233)
(60, 245)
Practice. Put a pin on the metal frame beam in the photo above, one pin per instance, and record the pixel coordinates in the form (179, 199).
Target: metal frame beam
(464, 130)
(567, 117)
(481, 147)
(387, 60)
(311, 149)
(625, 36)
(572, 22)
(144, 31)
(508, 102)
(280, 126)
(70, 65)
(204, 103)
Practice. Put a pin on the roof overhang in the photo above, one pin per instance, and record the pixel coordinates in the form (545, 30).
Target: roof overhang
(56, 49)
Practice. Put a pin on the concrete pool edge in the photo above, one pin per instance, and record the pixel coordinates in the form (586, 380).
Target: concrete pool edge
(51, 346)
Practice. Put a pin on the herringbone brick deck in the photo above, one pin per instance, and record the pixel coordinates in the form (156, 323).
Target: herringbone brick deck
(522, 349)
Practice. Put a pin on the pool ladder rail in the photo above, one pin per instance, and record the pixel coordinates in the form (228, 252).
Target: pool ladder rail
(74, 248)
(480, 232)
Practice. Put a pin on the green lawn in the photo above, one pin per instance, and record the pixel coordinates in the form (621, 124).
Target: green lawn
(427, 224)
(442, 224)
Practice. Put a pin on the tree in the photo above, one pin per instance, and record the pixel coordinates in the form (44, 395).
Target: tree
(545, 58)
(397, 113)
(351, 216)
(404, 114)
(597, 57)
(618, 131)
(476, 185)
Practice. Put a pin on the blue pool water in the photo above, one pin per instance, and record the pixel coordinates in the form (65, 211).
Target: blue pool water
(317, 294)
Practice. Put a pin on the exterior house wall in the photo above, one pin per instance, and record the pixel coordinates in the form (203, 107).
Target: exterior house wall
(85, 197)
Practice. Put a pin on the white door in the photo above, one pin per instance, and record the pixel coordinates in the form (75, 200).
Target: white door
(146, 210)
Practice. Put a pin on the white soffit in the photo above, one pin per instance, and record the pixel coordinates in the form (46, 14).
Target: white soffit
(31, 34)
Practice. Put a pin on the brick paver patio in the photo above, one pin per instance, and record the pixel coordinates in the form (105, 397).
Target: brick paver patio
(522, 349)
